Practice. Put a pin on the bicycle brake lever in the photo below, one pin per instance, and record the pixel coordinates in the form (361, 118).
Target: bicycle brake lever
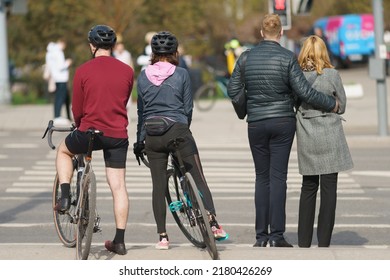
(49, 126)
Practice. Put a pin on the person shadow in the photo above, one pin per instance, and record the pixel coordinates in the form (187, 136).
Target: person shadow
(341, 238)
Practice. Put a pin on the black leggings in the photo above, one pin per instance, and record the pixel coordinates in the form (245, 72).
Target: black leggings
(157, 152)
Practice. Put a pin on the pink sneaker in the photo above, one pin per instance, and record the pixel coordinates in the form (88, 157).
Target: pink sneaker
(163, 244)
(219, 233)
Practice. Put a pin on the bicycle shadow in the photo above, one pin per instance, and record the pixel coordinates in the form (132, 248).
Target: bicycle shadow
(101, 253)
(10, 214)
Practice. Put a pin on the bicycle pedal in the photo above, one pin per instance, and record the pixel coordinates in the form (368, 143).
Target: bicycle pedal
(175, 206)
(97, 229)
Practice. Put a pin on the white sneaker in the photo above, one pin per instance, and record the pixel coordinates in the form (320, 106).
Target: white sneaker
(61, 121)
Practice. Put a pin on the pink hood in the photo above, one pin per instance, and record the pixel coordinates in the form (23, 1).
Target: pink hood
(159, 72)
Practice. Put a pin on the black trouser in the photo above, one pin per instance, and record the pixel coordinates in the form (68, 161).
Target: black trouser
(270, 142)
(157, 152)
(61, 98)
(307, 208)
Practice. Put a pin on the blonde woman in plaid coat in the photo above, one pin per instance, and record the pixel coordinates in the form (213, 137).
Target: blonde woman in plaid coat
(322, 147)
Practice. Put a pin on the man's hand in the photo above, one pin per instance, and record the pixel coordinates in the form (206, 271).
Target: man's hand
(336, 108)
(138, 150)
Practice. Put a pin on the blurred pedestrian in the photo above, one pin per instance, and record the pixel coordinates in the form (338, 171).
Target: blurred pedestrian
(272, 75)
(320, 33)
(58, 68)
(144, 59)
(122, 54)
(322, 147)
(233, 50)
(182, 61)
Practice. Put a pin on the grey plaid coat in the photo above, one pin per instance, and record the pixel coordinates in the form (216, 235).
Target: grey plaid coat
(321, 143)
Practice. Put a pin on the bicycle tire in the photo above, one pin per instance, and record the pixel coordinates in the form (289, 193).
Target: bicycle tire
(178, 206)
(206, 96)
(64, 224)
(87, 215)
(202, 217)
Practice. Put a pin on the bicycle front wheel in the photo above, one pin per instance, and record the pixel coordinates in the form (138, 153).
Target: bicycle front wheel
(205, 97)
(64, 222)
(179, 206)
(202, 219)
(86, 217)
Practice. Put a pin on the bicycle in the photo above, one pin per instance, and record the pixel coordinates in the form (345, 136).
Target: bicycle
(185, 202)
(206, 96)
(76, 225)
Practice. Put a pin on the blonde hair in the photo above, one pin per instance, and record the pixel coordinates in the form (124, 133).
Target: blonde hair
(314, 55)
(271, 26)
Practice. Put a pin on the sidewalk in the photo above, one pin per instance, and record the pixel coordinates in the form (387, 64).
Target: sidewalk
(360, 126)
(189, 252)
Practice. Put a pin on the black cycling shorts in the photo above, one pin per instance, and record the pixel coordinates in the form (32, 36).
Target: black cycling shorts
(114, 149)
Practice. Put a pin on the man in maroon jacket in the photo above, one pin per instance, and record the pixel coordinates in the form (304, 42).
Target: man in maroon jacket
(101, 89)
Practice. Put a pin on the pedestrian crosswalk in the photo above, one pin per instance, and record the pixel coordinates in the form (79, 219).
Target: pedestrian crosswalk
(229, 171)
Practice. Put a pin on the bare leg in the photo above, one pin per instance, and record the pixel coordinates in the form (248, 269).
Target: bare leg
(64, 164)
(116, 181)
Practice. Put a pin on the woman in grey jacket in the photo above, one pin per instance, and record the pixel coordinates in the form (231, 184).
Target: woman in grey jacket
(322, 147)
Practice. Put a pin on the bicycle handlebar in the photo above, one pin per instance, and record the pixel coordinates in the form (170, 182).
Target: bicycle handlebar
(51, 128)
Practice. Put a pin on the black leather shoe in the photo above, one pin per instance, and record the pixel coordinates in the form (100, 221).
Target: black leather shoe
(260, 244)
(117, 248)
(63, 205)
(280, 243)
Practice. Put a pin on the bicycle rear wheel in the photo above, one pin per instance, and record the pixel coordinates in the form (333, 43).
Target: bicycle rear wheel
(64, 223)
(201, 216)
(86, 218)
(205, 97)
(178, 204)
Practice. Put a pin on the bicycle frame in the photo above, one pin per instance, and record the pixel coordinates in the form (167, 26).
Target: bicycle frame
(83, 213)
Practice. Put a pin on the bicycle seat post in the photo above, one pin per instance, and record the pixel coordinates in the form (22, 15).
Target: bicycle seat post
(92, 133)
(88, 156)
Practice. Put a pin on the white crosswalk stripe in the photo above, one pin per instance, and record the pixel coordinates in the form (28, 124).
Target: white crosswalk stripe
(228, 170)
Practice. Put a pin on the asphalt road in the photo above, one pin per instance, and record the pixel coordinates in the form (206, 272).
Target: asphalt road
(362, 222)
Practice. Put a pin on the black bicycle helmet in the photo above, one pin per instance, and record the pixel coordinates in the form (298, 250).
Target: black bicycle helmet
(102, 36)
(164, 42)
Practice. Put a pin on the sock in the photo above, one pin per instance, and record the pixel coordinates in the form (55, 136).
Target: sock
(119, 236)
(65, 190)
(164, 236)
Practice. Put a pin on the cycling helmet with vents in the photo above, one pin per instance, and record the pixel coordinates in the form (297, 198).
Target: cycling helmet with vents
(102, 36)
(164, 42)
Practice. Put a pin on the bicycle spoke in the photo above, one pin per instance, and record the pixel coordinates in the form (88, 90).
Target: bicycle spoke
(202, 217)
(181, 211)
(64, 223)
